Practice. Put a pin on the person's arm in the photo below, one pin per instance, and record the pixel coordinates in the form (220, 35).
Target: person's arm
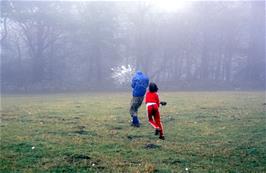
(147, 82)
(157, 100)
(133, 83)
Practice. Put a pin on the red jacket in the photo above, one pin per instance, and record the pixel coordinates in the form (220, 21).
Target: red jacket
(152, 97)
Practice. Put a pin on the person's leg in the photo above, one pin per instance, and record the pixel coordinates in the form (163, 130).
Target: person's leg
(158, 121)
(132, 109)
(135, 104)
(150, 114)
(138, 103)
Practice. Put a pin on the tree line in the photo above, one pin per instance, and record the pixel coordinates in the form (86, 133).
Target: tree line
(57, 45)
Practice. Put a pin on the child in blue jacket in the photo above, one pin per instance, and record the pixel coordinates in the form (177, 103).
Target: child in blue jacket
(139, 84)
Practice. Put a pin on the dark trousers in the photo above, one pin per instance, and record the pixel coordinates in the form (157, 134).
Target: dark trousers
(134, 106)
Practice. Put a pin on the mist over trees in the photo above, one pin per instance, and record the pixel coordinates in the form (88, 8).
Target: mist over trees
(61, 45)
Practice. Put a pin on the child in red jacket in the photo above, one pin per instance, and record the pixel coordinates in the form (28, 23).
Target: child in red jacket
(153, 103)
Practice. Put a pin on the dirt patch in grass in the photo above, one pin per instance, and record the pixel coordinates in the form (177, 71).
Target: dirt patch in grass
(152, 146)
(77, 158)
(83, 132)
(131, 137)
(8, 116)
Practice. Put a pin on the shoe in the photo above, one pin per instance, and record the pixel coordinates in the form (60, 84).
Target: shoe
(162, 137)
(157, 131)
(135, 125)
(135, 121)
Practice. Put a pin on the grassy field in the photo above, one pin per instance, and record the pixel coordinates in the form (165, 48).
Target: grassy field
(89, 132)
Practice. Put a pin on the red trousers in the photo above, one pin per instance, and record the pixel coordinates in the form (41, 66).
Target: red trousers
(154, 117)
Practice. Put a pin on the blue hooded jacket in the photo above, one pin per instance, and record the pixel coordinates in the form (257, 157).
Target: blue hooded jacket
(139, 84)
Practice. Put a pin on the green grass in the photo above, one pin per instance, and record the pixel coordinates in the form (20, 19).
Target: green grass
(205, 132)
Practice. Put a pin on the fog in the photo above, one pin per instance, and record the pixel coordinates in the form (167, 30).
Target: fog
(98, 45)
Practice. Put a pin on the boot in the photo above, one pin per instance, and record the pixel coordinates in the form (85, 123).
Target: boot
(157, 131)
(162, 137)
(135, 121)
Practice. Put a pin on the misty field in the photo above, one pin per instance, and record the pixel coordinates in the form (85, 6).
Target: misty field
(91, 132)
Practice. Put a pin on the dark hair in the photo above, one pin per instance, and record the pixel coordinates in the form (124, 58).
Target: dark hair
(153, 87)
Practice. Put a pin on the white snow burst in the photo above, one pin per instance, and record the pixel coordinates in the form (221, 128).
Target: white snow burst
(122, 74)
